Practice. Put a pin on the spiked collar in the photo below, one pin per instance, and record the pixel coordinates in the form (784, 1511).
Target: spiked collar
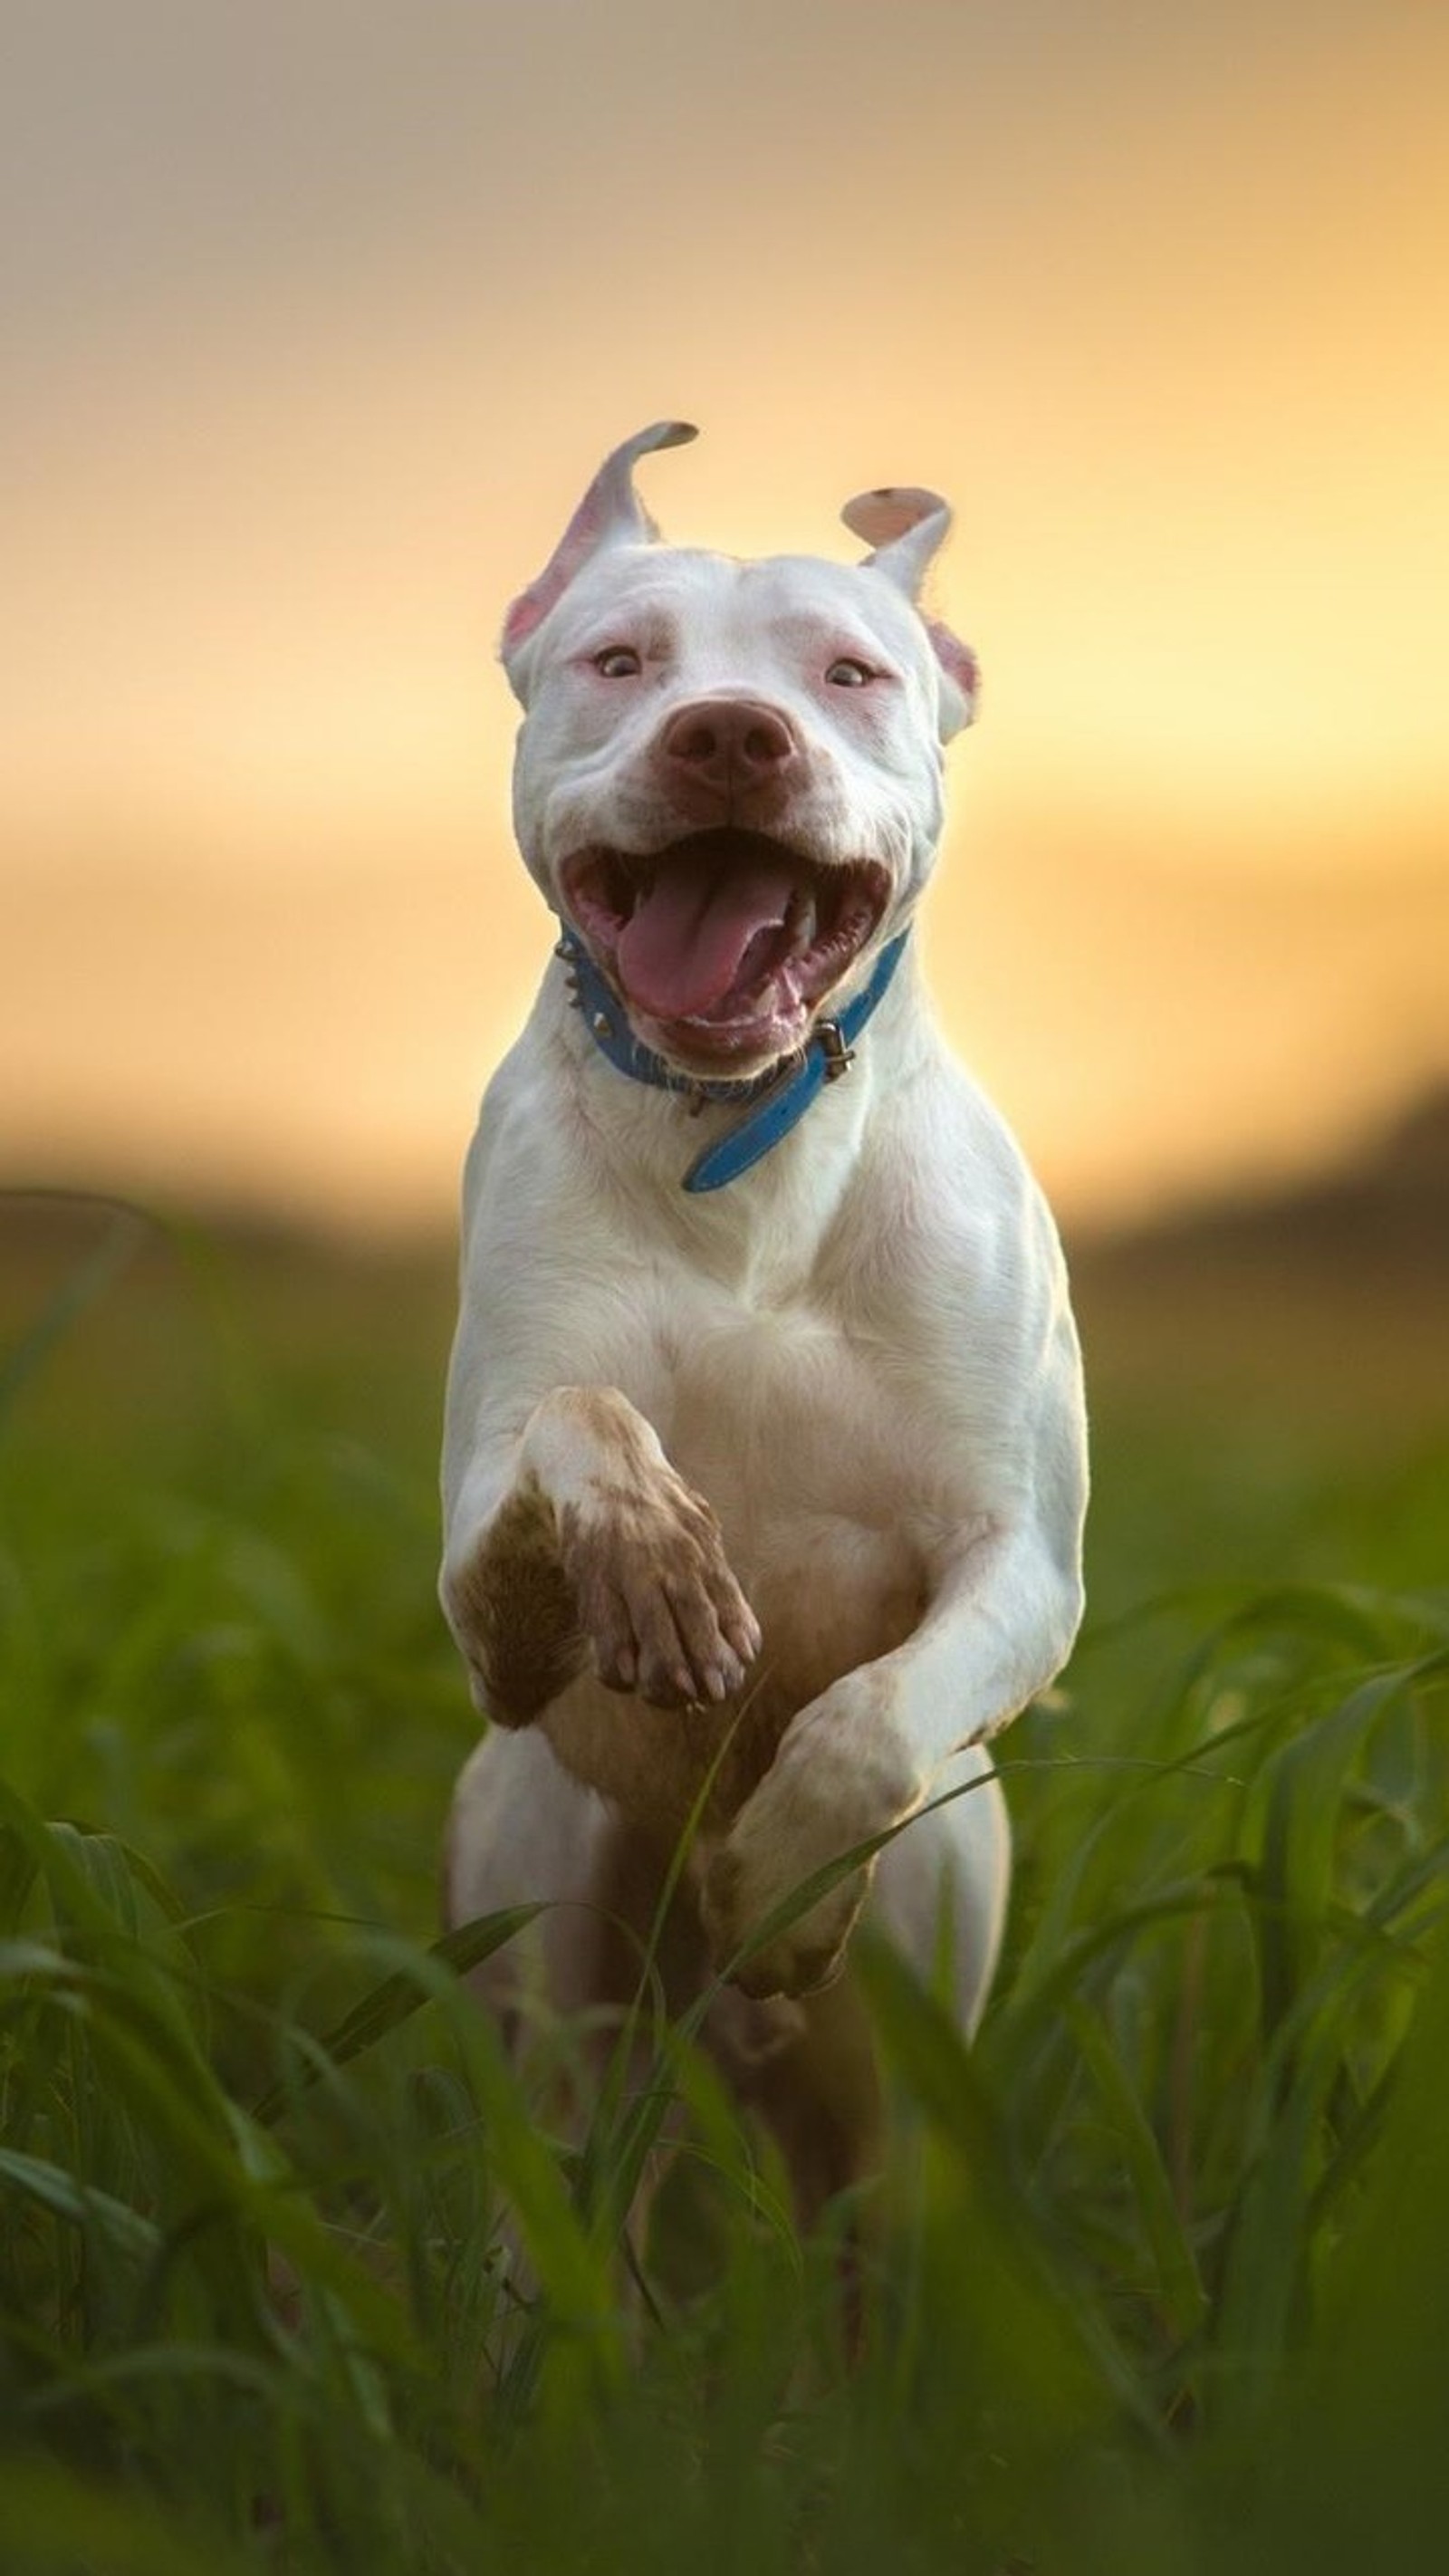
(775, 1101)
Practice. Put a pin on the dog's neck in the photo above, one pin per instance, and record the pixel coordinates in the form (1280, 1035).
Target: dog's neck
(772, 1103)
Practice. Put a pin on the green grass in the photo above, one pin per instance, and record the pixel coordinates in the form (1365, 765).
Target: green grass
(1158, 2278)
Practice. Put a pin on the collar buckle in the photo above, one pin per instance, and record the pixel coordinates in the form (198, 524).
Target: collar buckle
(777, 1098)
(837, 1055)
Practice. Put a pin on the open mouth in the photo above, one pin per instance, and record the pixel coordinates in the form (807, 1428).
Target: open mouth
(725, 941)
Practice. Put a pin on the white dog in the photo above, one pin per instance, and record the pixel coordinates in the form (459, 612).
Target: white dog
(765, 1450)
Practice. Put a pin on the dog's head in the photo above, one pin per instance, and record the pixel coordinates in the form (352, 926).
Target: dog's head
(728, 778)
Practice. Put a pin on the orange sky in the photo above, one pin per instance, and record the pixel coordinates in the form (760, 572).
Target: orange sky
(314, 331)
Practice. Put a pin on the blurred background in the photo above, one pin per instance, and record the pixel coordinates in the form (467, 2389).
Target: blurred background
(316, 322)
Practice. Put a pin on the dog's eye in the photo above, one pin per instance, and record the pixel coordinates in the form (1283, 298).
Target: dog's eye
(618, 662)
(848, 673)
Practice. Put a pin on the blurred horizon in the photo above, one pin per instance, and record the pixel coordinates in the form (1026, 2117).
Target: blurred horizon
(1374, 1210)
(316, 327)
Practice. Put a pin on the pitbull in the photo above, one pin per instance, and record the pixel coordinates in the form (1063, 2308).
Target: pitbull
(765, 1460)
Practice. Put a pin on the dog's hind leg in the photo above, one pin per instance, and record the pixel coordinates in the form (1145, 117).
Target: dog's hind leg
(522, 1832)
(940, 1888)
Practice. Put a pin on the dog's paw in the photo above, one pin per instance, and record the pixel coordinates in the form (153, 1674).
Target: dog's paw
(806, 1815)
(807, 1955)
(654, 1592)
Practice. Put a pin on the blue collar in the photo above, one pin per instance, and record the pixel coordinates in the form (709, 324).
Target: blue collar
(783, 1093)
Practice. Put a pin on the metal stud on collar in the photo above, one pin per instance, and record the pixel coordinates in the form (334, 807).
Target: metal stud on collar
(772, 1103)
(838, 1056)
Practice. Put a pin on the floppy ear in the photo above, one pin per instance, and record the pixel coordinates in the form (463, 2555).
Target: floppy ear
(610, 514)
(904, 526)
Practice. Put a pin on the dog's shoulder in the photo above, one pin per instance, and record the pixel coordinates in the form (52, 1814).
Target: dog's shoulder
(944, 1184)
(946, 1249)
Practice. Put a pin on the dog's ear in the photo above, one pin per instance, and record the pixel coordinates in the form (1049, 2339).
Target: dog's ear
(610, 514)
(904, 527)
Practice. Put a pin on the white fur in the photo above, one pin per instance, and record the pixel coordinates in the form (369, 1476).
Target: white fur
(860, 1353)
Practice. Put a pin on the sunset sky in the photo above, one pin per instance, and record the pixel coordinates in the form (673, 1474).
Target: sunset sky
(316, 319)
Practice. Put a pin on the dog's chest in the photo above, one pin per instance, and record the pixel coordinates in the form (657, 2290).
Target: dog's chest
(790, 1429)
(793, 1434)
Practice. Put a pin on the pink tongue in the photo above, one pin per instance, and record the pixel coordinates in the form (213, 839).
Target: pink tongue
(686, 943)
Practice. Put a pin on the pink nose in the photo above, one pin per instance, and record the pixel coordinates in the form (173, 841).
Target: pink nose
(727, 744)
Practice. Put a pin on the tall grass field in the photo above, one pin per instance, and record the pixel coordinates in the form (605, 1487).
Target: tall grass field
(297, 2274)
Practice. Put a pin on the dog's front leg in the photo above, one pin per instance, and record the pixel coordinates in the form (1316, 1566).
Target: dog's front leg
(579, 1541)
(862, 1757)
